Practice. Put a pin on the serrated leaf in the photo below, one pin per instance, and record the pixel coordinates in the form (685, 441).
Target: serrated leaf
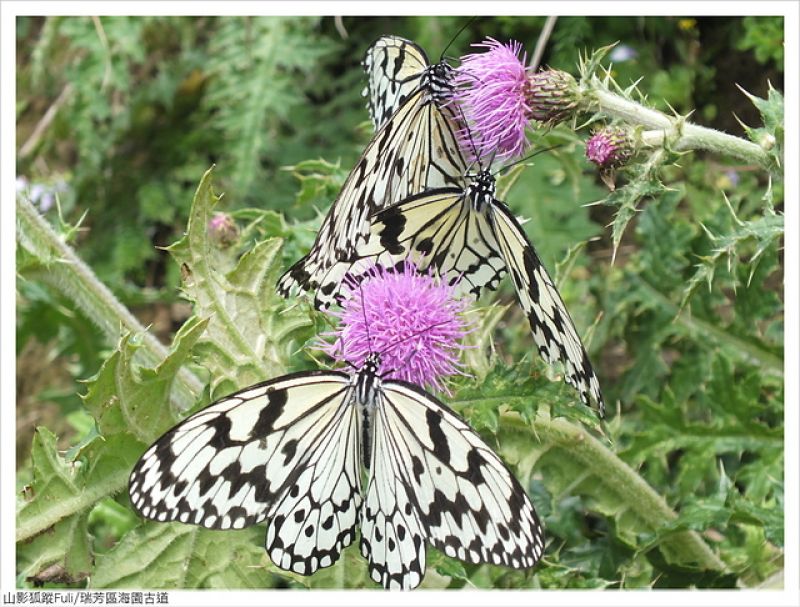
(122, 398)
(644, 184)
(590, 64)
(250, 328)
(60, 554)
(748, 240)
(572, 463)
(173, 555)
(770, 136)
(320, 181)
(61, 489)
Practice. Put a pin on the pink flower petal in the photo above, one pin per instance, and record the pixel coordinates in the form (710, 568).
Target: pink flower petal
(411, 319)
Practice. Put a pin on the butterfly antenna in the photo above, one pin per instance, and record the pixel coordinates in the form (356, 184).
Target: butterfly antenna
(469, 136)
(340, 346)
(494, 155)
(366, 322)
(414, 334)
(453, 39)
(406, 338)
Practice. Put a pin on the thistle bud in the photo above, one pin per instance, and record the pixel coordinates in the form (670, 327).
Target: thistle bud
(551, 95)
(610, 147)
(222, 230)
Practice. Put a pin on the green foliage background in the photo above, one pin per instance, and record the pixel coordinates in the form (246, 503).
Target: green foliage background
(682, 486)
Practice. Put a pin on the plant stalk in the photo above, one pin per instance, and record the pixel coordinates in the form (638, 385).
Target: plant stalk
(680, 134)
(648, 505)
(68, 274)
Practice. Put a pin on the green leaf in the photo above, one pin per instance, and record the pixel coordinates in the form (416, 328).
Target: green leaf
(643, 183)
(61, 489)
(771, 135)
(256, 62)
(173, 555)
(131, 409)
(750, 239)
(59, 555)
(320, 181)
(570, 462)
(250, 329)
(123, 399)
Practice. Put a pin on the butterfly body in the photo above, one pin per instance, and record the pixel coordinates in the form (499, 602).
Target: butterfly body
(292, 451)
(366, 392)
(480, 193)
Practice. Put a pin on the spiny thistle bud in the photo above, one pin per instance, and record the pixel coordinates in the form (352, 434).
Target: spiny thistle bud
(411, 319)
(222, 230)
(610, 147)
(552, 95)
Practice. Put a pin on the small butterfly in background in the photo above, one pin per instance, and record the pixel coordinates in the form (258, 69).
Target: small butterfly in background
(291, 451)
(415, 147)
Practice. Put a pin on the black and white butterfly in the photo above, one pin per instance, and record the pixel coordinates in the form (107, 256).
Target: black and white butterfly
(291, 451)
(472, 239)
(415, 147)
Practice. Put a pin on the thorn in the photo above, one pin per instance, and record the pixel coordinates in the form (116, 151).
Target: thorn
(742, 124)
(728, 202)
(749, 96)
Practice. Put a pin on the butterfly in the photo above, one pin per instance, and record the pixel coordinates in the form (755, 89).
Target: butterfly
(415, 147)
(291, 451)
(472, 239)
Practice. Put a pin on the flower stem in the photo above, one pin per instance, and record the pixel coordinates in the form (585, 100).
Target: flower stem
(678, 133)
(633, 490)
(67, 273)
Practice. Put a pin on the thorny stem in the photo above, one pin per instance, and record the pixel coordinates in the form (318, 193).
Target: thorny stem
(76, 281)
(634, 491)
(680, 134)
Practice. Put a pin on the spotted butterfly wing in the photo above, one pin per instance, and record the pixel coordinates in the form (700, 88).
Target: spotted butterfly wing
(450, 489)
(550, 322)
(394, 68)
(285, 450)
(438, 229)
(472, 239)
(289, 451)
(415, 148)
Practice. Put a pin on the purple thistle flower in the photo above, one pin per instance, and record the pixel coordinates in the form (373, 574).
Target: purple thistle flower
(499, 96)
(490, 87)
(609, 147)
(411, 319)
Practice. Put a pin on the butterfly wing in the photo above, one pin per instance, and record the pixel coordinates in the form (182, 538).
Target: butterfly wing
(392, 536)
(553, 330)
(394, 67)
(286, 450)
(415, 149)
(473, 249)
(436, 229)
(449, 488)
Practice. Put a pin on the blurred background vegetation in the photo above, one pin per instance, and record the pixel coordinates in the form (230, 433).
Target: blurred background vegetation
(119, 117)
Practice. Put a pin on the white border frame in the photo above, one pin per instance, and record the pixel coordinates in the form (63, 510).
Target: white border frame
(789, 9)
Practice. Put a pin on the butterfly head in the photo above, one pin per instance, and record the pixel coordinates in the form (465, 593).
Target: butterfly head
(439, 77)
(368, 380)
